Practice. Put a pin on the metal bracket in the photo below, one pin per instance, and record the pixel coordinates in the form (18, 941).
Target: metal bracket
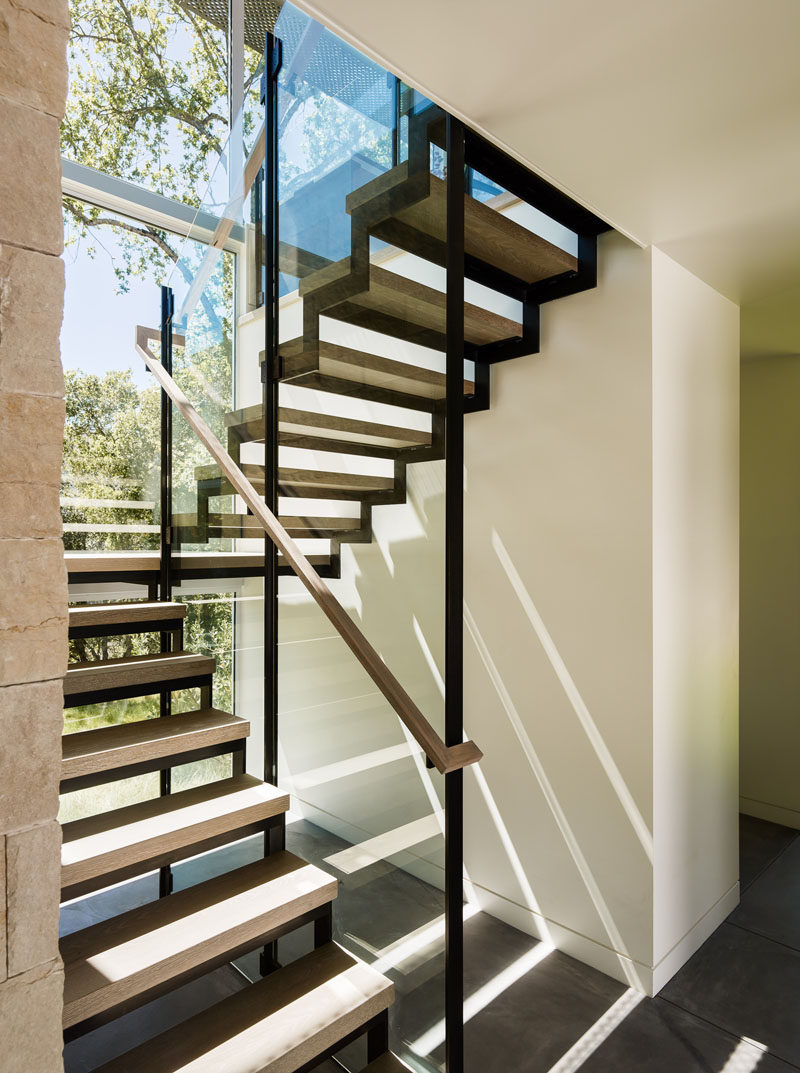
(277, 58)
(277, 369)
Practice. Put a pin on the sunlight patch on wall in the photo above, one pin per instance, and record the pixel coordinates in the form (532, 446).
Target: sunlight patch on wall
(341, 769)
(576, 700)
(426, 651)
(511, 852)
(555, 807)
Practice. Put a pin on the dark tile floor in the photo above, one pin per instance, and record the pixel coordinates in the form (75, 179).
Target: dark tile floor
(558, 1017)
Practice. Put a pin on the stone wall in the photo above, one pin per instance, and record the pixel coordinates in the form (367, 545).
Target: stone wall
(33, 595)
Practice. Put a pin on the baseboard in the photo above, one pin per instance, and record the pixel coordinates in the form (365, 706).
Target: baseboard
(619, 967)
(677, 957)
(787, 817)
(643, 978)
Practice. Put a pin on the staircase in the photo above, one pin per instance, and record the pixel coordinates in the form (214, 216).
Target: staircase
(297, 1014)
(302, 1012)
(406, 208)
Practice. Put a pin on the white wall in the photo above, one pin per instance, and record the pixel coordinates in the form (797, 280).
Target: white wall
(580, 829)
(558, 527)
(696, 611)
(770, 576)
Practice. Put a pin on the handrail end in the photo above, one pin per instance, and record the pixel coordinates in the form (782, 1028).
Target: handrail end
(457, 757)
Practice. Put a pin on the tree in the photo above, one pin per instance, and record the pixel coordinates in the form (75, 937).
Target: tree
(147, 102)
(111, 452)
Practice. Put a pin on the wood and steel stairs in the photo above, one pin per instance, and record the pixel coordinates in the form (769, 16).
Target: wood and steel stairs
(298, 1013)
(405, 208)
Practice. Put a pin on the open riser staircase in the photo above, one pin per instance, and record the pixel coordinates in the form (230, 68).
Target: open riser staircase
(404, 207)
(299, 1013)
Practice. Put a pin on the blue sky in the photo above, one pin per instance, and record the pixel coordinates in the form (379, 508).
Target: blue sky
(97, 333)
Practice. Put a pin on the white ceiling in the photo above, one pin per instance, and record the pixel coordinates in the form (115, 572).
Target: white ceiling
(677, 121)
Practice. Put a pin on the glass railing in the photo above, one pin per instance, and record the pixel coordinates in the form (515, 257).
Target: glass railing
(356, 403)
(362, 338)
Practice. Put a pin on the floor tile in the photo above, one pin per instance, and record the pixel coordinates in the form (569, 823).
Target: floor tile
(746, 985)
(760, 842)
(661, 1038)
(530, 1013)
(771, 904)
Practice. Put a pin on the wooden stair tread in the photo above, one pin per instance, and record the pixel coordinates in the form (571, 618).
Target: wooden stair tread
(135, 671)
(248, 426)
(488, 235)
(245, 525)
(98, 562)
(112, 747)
(404, 307)
(295, 478)
(276, 1025)
(114, 614)
(135, 836)
(201, 562)
(147, 562)
(120, 960)
(310, 366)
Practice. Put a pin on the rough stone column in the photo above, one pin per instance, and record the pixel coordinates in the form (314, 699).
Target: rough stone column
(33, 595)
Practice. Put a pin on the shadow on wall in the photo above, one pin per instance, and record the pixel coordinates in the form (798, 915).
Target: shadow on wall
(364, 779)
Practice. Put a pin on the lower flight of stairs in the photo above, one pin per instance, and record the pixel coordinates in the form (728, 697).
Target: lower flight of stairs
(291, 1018)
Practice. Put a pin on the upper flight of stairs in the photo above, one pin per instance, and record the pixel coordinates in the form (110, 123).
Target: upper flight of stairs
(406, 208)
(297, 1014)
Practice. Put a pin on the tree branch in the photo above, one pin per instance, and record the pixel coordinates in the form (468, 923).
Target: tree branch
(153, 236)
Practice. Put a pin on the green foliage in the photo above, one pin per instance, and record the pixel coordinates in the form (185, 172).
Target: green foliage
(111, 452)
(148, 103)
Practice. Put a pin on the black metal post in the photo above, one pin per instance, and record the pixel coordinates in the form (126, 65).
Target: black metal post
(165, 575)
(454, 599)
(270, 375)
(165, 561)
(397, 116)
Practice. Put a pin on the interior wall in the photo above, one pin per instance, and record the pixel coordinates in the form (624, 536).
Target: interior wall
(33, 600)
(695, 613)
(601, 622)
(770, 580)
(559, 637)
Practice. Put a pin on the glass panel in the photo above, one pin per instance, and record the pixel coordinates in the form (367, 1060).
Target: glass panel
(110, 472)
(361, 441)
(206, 296)
(147, 94)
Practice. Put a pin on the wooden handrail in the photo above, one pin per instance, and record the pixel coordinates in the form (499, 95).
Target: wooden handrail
(445, 758)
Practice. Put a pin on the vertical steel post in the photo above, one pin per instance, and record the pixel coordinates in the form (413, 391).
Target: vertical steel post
(397, 118)
(454, 598)
(165, 575)
(165, 561)
(270, 377)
